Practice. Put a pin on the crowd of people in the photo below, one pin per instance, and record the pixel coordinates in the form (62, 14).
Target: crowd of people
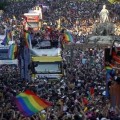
(73, 16)
(81, 92)
(79, 95)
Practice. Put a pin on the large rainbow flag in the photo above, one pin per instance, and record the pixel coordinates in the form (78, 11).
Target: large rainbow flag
(12, 50)
(27, 38)
(29, 103)
(8, 37)
(67, 37)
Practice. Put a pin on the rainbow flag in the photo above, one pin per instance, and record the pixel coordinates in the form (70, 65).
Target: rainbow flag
(67, 37)
(7, 38)
(109, 71)
(108, 68)
(27, 38)
(29, 103)
(12, 50)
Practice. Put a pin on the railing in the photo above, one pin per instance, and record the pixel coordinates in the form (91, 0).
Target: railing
(84, 46)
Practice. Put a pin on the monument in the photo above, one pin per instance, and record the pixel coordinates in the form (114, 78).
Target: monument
(103, 30)
(104, 15)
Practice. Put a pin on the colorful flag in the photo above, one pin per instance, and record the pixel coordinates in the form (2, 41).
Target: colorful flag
(85, 101)
(67, 37)
(27, 37)
(8, 37)
(108, 68)
(29, 103)
(108, 72)
(92, 91)
(116, 58)
(12, 51)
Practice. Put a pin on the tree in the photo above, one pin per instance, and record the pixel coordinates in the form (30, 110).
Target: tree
(2, 5)
(114, 1)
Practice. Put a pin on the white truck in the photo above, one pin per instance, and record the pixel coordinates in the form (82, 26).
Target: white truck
(47, 62)
(33, 19)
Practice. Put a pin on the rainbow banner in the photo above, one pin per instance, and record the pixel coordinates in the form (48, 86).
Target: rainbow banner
(67, 37)
(8, 37)
(27, 37)
(12, 50)
(29, 103)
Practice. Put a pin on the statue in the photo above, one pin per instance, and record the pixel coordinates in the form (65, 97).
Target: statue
(104, 15)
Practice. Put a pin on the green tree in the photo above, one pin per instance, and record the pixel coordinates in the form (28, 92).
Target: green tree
(2, 5)
(114, 1)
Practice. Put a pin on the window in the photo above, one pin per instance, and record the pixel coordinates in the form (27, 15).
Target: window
(4, 54)
(33, 24)
(48, 68)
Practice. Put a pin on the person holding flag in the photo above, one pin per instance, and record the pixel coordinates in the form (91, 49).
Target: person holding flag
(8, 37)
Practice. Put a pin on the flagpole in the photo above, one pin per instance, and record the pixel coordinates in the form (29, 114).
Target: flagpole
(30, 57)
(12, 34)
